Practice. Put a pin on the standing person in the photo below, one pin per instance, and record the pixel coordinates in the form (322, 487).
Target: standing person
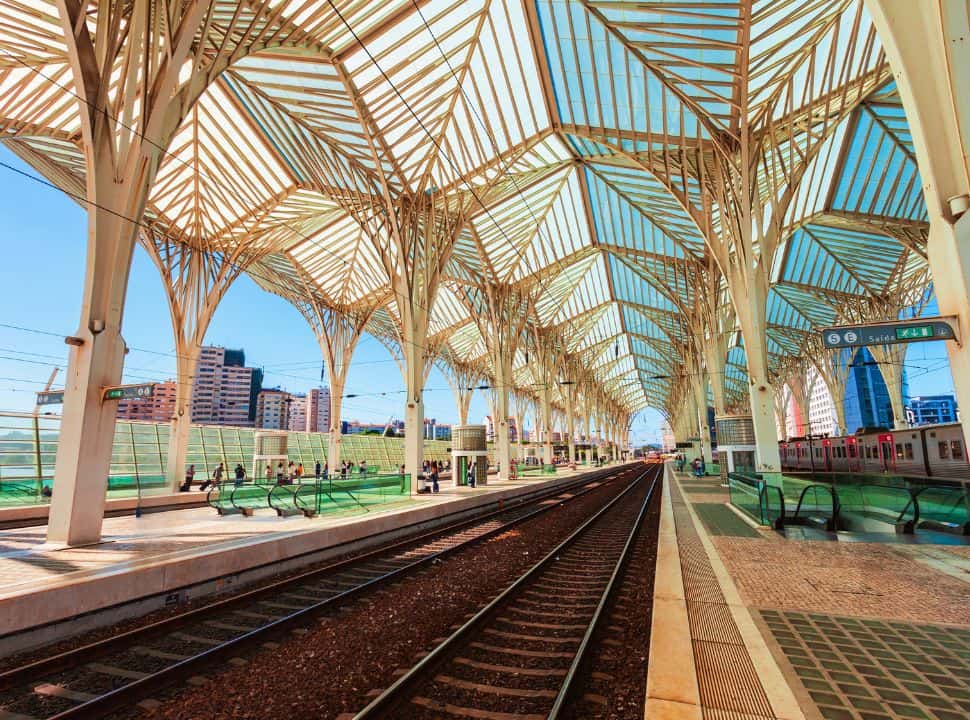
(290, 472)
(316, 470)
(702, 468)
(471, 474)
(216, 477)
(240, 475)
(299, 472)
(326, 470)
(269, 473)
(363, 467)
(434, 476)
(189, 476)
(280, 473)
(343, 469)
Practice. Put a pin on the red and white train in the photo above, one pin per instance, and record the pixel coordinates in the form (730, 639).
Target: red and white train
(932, 451)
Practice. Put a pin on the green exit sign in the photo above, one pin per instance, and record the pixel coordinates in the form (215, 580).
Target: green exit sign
(915, 332)
(128, 392)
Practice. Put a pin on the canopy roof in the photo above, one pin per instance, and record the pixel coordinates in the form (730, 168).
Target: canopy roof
(583, 138)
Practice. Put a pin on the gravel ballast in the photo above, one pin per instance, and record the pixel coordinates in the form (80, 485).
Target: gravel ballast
(335, 666)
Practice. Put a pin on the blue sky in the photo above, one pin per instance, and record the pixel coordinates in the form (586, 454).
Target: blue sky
(43, 239)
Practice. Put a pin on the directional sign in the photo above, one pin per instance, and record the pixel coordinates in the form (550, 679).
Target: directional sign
(50, 397)
(128, 392)
(890, 333)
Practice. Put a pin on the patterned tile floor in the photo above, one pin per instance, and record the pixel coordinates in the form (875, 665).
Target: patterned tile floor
(864, 669)
(863, 630)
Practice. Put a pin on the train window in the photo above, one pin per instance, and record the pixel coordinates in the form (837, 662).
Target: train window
(852, 451)
(899, 451)
(944, 450)
(956, 449)
(909, 451)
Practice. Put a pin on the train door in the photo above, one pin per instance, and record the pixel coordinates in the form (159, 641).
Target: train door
(887, 453)
(827, 455)
(852, 451)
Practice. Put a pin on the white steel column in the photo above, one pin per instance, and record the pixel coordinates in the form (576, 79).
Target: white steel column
(928, 47)
(121, 67)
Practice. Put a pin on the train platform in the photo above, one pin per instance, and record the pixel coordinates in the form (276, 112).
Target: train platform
(147, 562)
(793, 627)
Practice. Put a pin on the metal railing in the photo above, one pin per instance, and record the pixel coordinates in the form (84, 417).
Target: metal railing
(764, 503)
(28, 449)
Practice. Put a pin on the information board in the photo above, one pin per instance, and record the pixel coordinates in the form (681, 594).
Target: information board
(890, 333)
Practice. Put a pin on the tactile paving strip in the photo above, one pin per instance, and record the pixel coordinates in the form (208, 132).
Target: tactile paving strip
(727, 680)
(860, 669)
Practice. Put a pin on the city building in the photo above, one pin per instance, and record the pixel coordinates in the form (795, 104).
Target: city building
(273, 409)
(867, 403)
(821, 409)
(489, 424)
(160, 407)
(318, 410)
(433, 430)
(931, 410)
(225, 390)
(297, 419)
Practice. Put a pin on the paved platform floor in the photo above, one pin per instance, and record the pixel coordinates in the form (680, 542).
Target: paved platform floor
(40, 583)
(873, 629)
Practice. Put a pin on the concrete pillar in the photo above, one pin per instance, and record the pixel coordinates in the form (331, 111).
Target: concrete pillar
(88, 425)
(178, 438)
(928, 47)
(545, 396)
(570, 424)
(503, 445)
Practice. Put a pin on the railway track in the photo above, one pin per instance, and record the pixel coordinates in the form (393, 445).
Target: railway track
(525, 654)
(99, 678)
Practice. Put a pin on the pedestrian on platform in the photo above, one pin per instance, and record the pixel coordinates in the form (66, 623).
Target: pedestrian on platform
(316, 470)
(269, 473)
(470, 479)
(434, 476)
(189, 477)
(216, 477)
(290, 472)
(326, 470)
(299, 472)
(280, 473)
(363, 467)
(240, 474)
(702, 469)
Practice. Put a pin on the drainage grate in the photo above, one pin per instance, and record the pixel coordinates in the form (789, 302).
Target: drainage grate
(727, 680)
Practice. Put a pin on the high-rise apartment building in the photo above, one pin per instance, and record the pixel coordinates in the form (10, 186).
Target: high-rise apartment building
(297, 420)
(867, 402)
(160, 407)
(225, 390)
(273, 409)
(318, 410)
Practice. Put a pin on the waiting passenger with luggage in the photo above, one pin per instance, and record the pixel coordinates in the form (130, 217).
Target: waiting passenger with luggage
(189, 476)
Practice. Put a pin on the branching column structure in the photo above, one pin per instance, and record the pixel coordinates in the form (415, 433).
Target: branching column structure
(195, 281)
(134, 83)
(833, 367)
(338, 330)
(547, 348)
(801, 384)
(929, 50)
(501, 312)
(414, 236)
(463, 379)
(520, 408)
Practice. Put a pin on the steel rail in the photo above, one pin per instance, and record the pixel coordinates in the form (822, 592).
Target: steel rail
(142, 687)
(384, 704)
